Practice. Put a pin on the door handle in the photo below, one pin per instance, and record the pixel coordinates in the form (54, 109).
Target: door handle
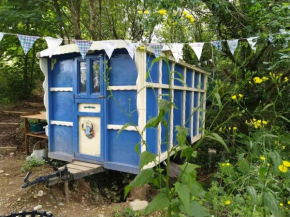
(102, 96)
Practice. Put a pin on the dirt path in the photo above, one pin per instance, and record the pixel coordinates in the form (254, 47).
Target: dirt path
(14, 198)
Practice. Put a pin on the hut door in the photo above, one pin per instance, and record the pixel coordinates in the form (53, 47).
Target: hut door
(89, 109)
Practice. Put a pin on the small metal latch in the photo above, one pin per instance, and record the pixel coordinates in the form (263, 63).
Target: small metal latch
(101, 97)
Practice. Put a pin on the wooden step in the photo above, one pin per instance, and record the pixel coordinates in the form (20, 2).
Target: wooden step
(5, 150)
(2, 124)
(34, 104)
(14, 113)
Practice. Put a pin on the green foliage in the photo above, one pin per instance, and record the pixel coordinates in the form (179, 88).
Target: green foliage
(30, 163)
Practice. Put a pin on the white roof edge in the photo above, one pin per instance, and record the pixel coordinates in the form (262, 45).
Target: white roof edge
(73, 48)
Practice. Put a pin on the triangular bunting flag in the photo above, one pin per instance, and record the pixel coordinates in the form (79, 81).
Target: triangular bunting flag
(176, 49)
(252, 41)
(84, 46)
(197, 48)
(53, 44)
(233, 44)
(157, 48)
(1, 35)
(109, 47)
(131, 48)
(27, 42)
(217, 44)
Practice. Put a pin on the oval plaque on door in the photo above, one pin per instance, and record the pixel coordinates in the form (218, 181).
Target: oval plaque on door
(88, 128)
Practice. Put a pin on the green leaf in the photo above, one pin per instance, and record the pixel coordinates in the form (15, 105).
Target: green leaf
(144, 177)
(183, 193)
(270, 202)
(285, 119)
(182, 133)
(145, 158)
(267, 106)
(137, 148)
(218, 99)
(160, 202)
(189, 168)
(219, 139)
(251, 190)
(123, 128)
(198, 210)
(262, 172)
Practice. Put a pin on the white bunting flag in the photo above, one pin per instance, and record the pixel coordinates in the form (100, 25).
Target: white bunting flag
(109, 47)
(197, 48)
(131, 48)
(252, 41)
(176, 49)
(156, 48)
(1, 35)
(53, 44)
(233, 44)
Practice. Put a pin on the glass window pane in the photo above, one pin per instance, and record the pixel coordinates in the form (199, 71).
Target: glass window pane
(83, 77)
(96, 76)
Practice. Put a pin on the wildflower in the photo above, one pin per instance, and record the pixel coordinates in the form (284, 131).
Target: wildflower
(235, 128)
(189, 16)
(283, 147)
(268, 164)
(286, 163)
(262, 158)
(140, 12)
(241, 95)
(228, 164)
(162, 12)
(220, 129)
(191, 20)
(227, 202)
(223, 164)
(234, 97)
(286, 79)
(283, 168)
(257, 80)
(288, 202)
(185, 13)
(250, 82)
(141, 48)
(281, 204)
(265, 122)
(265, 79)
(146, 12)
(230, 128)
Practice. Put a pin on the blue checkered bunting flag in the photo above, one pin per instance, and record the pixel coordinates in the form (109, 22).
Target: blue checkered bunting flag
(27, 42)
(157, 48)
(84, 46)
(217, 44)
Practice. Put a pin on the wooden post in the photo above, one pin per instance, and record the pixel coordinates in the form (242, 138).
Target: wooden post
(66, 191)
(26, 137)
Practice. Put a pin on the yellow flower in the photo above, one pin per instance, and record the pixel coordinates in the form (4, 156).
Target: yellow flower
(227, 202)
(265, 122)
(223, 164)
(146, 12)
(220, 129)
(189, 16)
(162, 12)
(286, 163)
(265, 79)
(140, 12)
(281, 204)
(250, 82)
(283, 168)
(191, 20)
(262, 158)
(257, 80)
(283, 147)
(268, 164)
(241, 95)
(185, 12)
(288, 202)
(235, 128)
(286, 79)
(228, 164)
(230, 128)
(234, 97)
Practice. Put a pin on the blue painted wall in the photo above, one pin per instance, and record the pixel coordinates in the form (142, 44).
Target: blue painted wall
(123, 70)
(62, 139)
(178, 74)
(152, 69)
(62, 74)
(177, 112)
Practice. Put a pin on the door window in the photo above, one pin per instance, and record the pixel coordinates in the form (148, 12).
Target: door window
(83, 77)
(96, 76)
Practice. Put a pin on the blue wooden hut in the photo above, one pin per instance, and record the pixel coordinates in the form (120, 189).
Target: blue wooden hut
(83, 121)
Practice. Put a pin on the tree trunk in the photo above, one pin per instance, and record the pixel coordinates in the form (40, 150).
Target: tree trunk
(100, 19)
(93, 19)
(75, 9)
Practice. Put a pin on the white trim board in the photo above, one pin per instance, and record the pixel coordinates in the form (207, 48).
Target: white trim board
(62, 123)
(62, 89)
(128, 87)
(118, 127)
